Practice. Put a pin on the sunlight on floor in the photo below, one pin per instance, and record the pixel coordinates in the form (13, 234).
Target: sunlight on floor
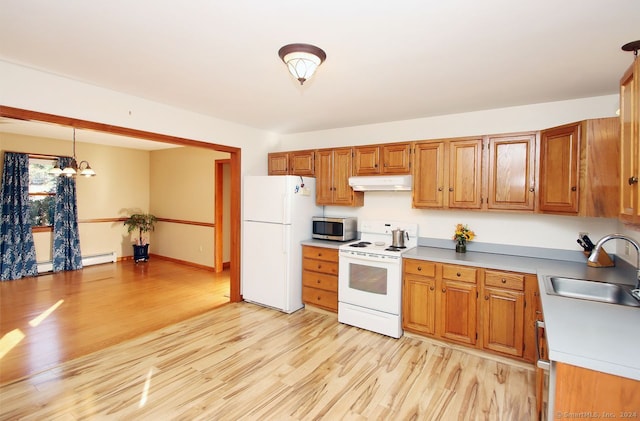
(35, 322)
(10, 340)
(145, 388)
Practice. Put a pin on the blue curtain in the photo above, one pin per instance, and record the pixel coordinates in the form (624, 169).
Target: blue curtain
(17, 248)
(66, 238)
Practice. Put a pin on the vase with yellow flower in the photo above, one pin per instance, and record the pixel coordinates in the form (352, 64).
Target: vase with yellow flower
(461, 236)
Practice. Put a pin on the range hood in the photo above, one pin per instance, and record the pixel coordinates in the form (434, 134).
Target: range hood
(381, 183)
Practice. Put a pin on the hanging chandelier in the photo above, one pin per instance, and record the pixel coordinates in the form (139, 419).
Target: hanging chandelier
(73, 169)
(302, 60)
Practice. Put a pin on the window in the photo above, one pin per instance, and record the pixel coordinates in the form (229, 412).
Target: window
(42, 191)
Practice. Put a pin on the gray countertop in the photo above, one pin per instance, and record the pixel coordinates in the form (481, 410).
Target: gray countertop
(588, 334)
(583, 333)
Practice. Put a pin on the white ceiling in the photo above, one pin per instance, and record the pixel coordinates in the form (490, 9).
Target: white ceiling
(386, 60)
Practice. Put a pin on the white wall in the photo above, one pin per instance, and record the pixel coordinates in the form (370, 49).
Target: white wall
(525, 229)
(26, 88)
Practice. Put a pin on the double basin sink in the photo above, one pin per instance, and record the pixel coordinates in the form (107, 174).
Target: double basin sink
(585, 289)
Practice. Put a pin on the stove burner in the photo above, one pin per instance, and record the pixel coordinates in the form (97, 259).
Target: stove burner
(394, 248)
(360, 244)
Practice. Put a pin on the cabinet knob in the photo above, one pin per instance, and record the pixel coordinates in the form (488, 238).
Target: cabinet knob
(574, 188)
(504, 281)
(458, 274)
(319, 266)
(440, 189)
(318, 280)
(431, 288)
(633, 180)
(486, 297)
(450, 188)
(444, 290)
(531, 189)
(419, 268)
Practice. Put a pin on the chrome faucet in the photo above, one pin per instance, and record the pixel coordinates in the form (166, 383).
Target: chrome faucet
(596, 251)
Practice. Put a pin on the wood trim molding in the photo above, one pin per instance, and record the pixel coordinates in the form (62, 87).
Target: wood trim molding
(186, 222)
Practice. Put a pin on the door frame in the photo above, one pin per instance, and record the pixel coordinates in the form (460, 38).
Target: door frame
(219, 212)
(234, 158)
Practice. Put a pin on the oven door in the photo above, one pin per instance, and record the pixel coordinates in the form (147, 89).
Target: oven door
(370, 281)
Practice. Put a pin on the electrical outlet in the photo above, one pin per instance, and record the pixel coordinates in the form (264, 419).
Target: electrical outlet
(582, 234)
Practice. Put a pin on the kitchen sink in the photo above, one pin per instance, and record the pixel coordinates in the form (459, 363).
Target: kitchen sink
(585, 289)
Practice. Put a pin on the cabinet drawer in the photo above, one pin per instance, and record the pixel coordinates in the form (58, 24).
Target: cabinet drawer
(320, 298)
(320, 280)
(418, 267)
(320, 266)
(320, 253)
(504, 280)
(459, 273)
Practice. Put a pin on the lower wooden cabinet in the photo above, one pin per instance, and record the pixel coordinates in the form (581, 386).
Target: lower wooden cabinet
(482, 308)
(439, 300)
(320, 277)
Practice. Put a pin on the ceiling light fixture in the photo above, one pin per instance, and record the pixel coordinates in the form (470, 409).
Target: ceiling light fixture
(302, 60)
(72, 169)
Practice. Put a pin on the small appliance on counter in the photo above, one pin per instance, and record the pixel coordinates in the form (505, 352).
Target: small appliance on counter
(335, 228)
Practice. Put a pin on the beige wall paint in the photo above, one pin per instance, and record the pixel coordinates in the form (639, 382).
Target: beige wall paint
(121, 184)
(182, 187)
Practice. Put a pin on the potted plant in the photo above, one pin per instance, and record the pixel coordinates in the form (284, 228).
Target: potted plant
(143, 222)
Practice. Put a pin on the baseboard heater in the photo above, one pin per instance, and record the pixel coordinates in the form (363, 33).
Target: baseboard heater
(95, 259)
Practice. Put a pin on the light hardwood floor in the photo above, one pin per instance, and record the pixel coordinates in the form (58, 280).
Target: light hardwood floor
(243, 361)
(97, 306)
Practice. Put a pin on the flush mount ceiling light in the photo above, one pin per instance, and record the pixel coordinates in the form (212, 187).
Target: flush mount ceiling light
(73, 168)
(632, 46)
(302, 60)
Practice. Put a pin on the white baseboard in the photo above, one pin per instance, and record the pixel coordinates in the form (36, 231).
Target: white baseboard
(95, 259)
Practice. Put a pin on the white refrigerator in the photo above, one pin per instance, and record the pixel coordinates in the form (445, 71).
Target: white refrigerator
(277, 217)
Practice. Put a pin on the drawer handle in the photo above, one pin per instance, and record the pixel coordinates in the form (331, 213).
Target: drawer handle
(504, 281)
(458, 274)
(318, 280)
(419, 268)
(319, 254)
(319, 266)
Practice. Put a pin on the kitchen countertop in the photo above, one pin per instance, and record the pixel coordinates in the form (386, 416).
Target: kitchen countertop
(598, 336)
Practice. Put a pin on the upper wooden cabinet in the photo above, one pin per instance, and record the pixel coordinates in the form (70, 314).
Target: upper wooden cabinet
(333, 169)
(580, 168)
(630, 144)
(511, 171)
(448, 173)
(292, 163)
(392, 158)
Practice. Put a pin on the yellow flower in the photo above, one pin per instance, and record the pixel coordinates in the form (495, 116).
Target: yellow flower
(463, 233)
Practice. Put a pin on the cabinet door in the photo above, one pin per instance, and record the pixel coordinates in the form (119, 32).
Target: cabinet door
(395, 158)
(511, 172)
(366, 160)
(458, 311)
(324, 177)
(428, 175)
(302, 163)
(419, 304)
(278, 163)
(465, 174)
(629, 126)
(559, 169)
(503, 321)
(342, 192)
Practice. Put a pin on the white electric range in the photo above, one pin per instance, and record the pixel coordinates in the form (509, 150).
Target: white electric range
(370, 277)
